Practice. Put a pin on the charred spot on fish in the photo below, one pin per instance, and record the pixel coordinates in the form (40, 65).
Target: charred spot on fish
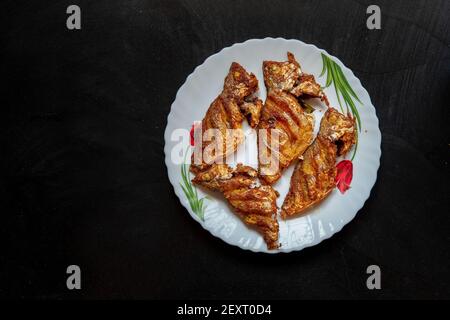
(271, 121)
(340, 146)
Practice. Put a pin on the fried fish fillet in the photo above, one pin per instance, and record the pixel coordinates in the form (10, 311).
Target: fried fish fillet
(255, 205)
(314, 176)
(225, 116)
(285, 131)
(283, 118)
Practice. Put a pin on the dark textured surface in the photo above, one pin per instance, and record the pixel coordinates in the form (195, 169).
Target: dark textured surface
(83, 179)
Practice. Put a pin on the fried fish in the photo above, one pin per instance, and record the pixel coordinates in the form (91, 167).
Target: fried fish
(255, 205)
(314, 175)
(287, 128)
(287, 76)
(225, 116)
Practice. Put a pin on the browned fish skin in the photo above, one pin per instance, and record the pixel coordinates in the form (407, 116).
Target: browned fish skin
(228, 111)
(281, 76)
(283, 113)
(314, 176)
(294, 128)
(256, 205)
(252, 110)
(287, 76)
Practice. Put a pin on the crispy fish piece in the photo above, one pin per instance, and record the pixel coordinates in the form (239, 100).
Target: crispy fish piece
(287, 76)
(255, 205)
(283, 117)
(235, 103)
(288, 131)
(314, 176)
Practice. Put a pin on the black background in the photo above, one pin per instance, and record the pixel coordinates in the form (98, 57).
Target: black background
(83, 179)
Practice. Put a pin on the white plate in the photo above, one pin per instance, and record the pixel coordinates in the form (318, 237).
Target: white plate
(194, 98)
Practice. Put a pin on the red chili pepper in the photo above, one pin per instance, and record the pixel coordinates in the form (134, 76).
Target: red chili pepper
(344, 175)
